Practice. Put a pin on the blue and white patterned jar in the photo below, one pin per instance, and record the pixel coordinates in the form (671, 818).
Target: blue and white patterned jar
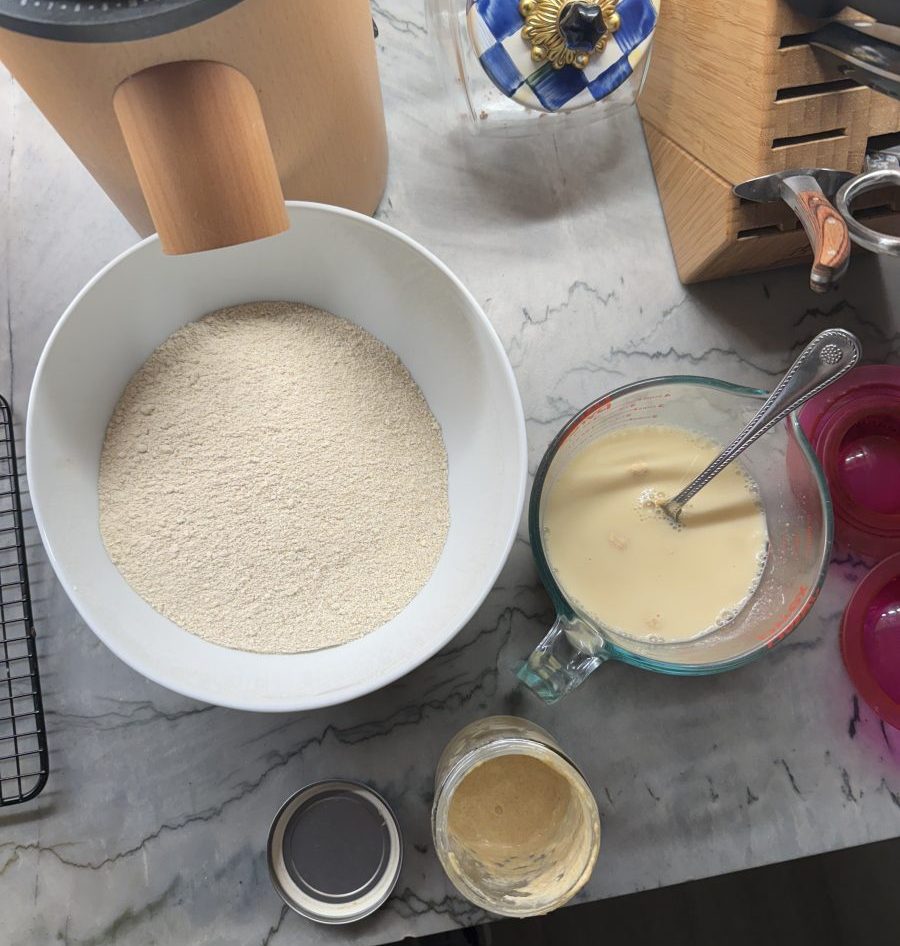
(517, 67)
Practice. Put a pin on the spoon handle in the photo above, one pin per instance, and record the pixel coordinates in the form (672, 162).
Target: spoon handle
(829, 356)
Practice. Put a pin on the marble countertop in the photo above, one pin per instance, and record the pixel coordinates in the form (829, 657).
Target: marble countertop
(153, 825)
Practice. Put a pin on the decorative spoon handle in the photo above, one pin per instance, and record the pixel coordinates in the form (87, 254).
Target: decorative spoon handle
(829, 356)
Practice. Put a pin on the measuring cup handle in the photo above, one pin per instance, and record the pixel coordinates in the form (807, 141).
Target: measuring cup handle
(569, 653)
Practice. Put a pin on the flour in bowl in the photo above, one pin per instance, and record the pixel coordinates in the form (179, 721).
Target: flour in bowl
(273, 480)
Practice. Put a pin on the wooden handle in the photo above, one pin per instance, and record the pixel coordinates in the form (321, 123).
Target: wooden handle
(828, 235)
(198, 142)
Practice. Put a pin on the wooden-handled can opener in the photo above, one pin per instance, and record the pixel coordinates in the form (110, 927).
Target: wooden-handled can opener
(807, 192)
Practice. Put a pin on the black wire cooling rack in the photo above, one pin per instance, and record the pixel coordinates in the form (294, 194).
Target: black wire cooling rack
(24, 764)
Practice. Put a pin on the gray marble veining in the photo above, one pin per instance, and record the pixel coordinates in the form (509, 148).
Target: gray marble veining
(153, 825)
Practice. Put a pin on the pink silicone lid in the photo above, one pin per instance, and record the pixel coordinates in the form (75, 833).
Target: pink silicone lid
(854, 429)
(870, 639)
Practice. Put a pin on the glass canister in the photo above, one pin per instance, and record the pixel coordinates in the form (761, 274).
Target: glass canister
(524, 865)
(520, 67)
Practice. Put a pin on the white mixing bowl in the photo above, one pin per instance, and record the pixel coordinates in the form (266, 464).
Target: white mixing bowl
(352, 266)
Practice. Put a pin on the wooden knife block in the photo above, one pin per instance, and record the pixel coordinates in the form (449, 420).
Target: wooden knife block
(733, 92)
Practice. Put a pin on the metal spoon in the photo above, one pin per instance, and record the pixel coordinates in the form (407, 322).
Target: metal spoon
(829, 356)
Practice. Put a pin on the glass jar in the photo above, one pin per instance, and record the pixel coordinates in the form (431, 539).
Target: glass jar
(501, 83)
(566, 846)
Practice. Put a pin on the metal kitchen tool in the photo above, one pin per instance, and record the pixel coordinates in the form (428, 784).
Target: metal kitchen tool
(885, 11)
(882, 170)
(806, 192)
(829, 356)
(24, 763)
(868, 53)
(335, 851)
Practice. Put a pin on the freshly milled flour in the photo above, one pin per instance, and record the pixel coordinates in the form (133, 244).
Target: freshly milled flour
(273, 480)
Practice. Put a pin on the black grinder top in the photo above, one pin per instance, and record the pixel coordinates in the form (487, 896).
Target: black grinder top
(105, 21)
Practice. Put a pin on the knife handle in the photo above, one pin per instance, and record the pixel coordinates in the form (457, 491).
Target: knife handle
(828, 236)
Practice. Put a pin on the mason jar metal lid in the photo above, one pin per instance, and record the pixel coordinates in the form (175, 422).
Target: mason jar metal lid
(335, 851)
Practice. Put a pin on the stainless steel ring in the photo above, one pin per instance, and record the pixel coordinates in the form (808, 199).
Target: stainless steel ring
(860, 234)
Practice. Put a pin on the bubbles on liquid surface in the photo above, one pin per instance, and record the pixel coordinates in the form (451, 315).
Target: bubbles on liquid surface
(650, 498)
(726, 617)
(650, 502)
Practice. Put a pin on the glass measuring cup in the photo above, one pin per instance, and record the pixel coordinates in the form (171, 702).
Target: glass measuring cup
(793, 492)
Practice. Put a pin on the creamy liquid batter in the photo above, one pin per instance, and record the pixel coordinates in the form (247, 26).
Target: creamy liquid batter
(617, 557)
(511, 805)
(518, 824)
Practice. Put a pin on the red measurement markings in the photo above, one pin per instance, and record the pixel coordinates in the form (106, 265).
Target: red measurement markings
(784, 621)
(604, 404)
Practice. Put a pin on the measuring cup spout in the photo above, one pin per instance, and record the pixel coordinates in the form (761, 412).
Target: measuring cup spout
(569, 653)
